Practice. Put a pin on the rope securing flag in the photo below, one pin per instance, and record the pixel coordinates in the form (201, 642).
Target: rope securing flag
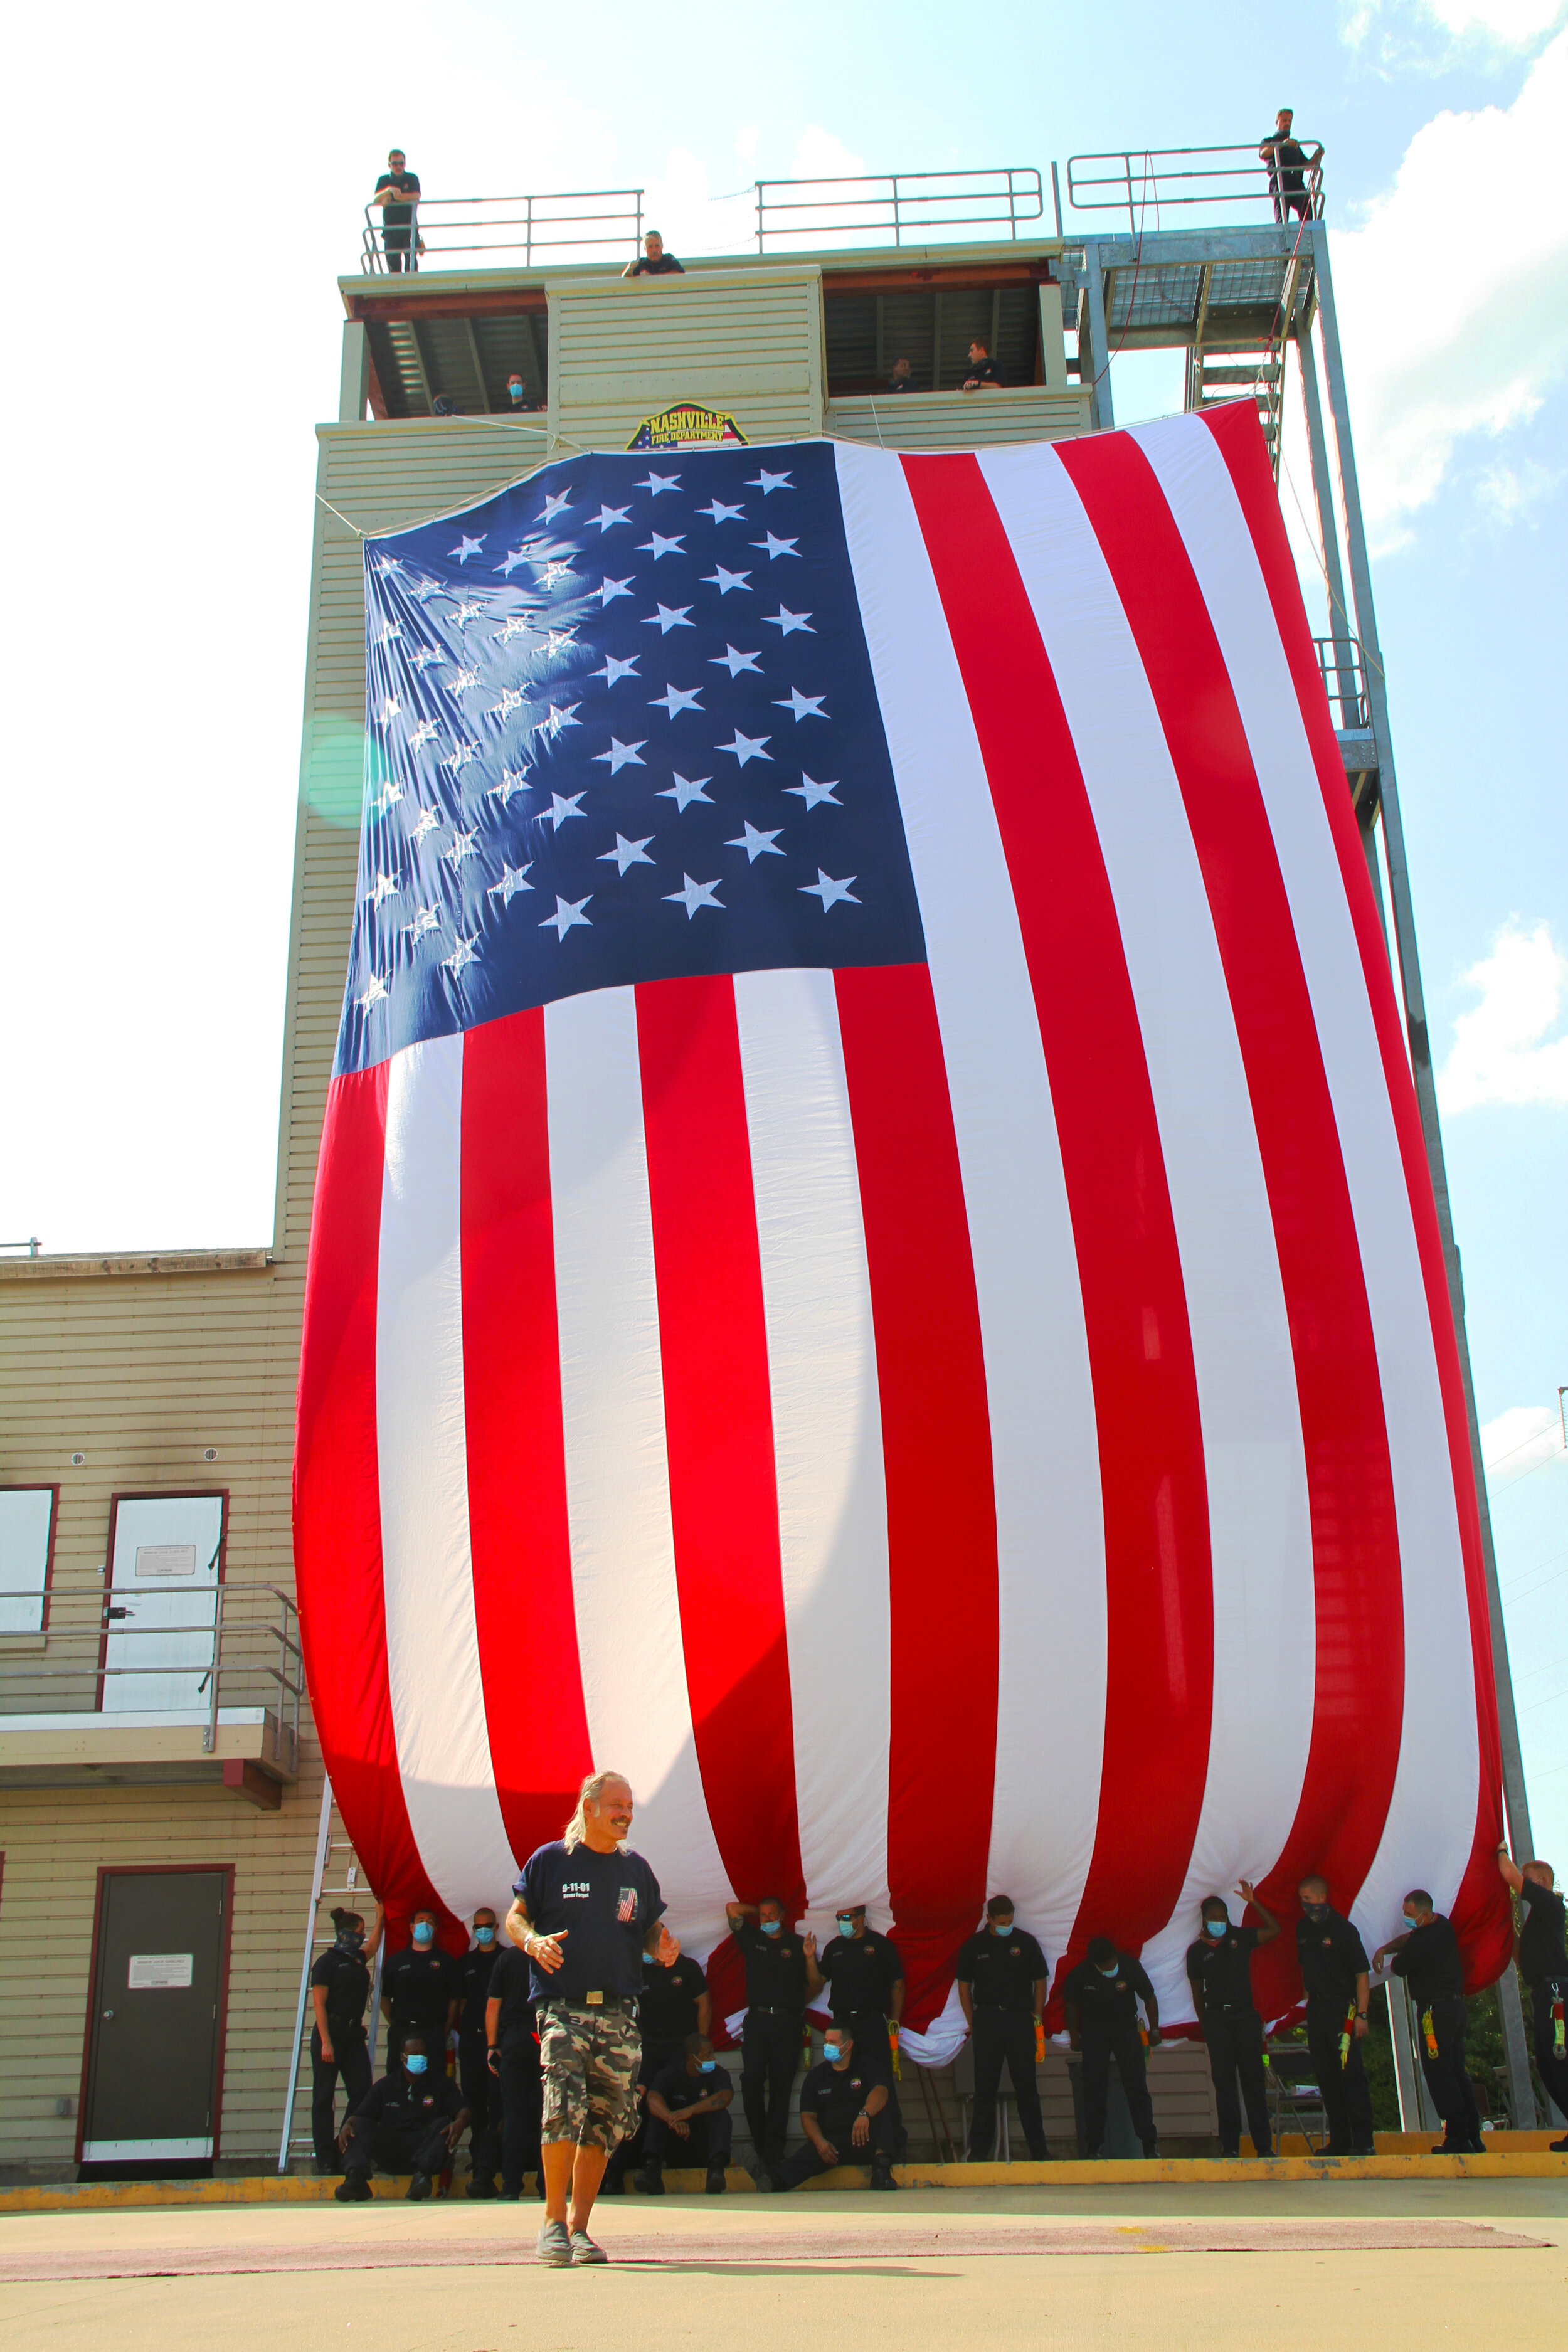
(873, 1264)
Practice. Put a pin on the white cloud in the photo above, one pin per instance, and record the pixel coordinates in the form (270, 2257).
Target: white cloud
(1387, 25)
(680, 204)
(1453, 293)
(1520, 1440)
(1514, 493)
(1501, 1053)
(819, 155)
(1513, 22)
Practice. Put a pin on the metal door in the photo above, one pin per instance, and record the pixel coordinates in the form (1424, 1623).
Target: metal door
(152, 2054)
(164, 1564)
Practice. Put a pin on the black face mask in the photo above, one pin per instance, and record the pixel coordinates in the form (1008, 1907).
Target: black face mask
(351, 1939)
(1316, 1910)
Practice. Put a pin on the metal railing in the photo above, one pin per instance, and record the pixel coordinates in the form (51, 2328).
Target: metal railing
(896, 208)
(1343, 666)
(579, 222)
(182, 1657)
(1141, 183)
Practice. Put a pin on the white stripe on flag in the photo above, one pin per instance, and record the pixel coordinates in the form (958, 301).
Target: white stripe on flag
(1050, 1536)
(432, 1641)
(1431, 1817)
(617, 1471)
(827, 1429)
(1259, 1520)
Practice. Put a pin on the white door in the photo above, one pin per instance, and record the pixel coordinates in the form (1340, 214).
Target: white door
(163, 1604)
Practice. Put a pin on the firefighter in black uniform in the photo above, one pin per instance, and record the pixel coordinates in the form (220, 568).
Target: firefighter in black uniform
(866, 1981)
(1542, 1956)
(1101, 1997)
(340, 1992)
(511, 2034)
(419, 1990)
(689, 2117)
(1427, 1957)
(481, 2092)
(674, 2002)
(1219, 1969)
(774, 2030)
(408, 2122)
(844, 2111)
(1002, 1978)
(1337, 1976)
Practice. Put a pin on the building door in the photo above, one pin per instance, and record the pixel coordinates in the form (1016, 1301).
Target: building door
(155, 2034)
(165, 1561)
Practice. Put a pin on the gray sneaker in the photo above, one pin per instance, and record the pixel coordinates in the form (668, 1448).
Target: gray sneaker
(583, 2250)
(554, 2247)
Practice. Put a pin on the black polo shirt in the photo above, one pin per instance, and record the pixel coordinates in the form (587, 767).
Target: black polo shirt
(1106, 2005)
(510, 1986)
(775, 1967)
(980, 372)
(836, 2098)
(1288, 163)
(667, 2006)
(400, 2102)
(1002, 1972)
(346, 1977)
(1430, 1964)
(862, 1971)
(1223, 1965)
(403, 184)
(679, 2089)
(474, 1970)
(420, 1985)
(1332, 1956)
(1540, 1939)
(666, 265)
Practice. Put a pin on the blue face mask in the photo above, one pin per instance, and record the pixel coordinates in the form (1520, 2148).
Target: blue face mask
(1000, 1927)
(846, 1924)
(423, 1932)
(770, 1927)
(832, 2052)
(708, 2065)
(1216, 1928)
(484, 1935)
(1113, 1970)
(416, 2061)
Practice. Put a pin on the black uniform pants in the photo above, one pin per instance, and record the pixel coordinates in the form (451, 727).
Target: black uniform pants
(521, 2105)
(1126, 2048)
(397, 245)
(1005, 2034)
(1347, 2100)
(1235, 2037)
(874, 2057)
(1452, 2093)
(482, 2097)
(1554, 2070)
(707, 2142)
(656, 2057)
(802, 2163)
(422, 2149)
(771, 2042)
(352, 2061)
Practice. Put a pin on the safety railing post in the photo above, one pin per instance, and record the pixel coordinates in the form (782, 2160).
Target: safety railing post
(898, 229)
(209, 1736)
(1131, 214)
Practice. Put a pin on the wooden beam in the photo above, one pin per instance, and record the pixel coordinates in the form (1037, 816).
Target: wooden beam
(259, 1788)
(515, 305)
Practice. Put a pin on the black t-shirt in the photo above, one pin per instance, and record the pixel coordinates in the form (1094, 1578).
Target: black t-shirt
(667, 2005)
(1332, 1956)
(1285, 163)
(346, 1977)
(836, 2098)
(406, 185)
(1108, 2005)
(607, 1902)
(679, 2089)
(510, 1986)
(666, 265)
(1223, 1965)
(474, 1971)
(862, 1971)
(900, 383)
(980, 372)
(403, 2102)
(421, 1984)
(1430, 1964)
(1540, 1939)
(1002, 1971)
(775, 1967)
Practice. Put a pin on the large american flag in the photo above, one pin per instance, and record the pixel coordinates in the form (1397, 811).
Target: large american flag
(873, 1265)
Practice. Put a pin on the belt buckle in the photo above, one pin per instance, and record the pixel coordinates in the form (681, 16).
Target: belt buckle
(593, 2000)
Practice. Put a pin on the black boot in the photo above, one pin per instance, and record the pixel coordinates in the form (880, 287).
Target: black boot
(418, 2187)
(650, 2180)
(717, 2184)
(482, 2185)
(882, 2171)
(354, 2189)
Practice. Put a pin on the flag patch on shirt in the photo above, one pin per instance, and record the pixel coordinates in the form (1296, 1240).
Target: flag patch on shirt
(626, 1909)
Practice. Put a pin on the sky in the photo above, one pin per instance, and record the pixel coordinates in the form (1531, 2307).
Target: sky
(187, 183)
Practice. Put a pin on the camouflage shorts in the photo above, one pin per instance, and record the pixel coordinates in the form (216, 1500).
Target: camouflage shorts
(590, 2059)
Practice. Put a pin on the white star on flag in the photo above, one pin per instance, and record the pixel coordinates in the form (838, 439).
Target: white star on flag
(568, 915)
(674, 698)
(614, 669)
(514, 556)
(512, 779)
(426, 589)
(657, 482)
(518, 626)
(468, 612)
(390, 708)
(610, 588)
(559, 639)
(425, 732)
(385, 889)
(668, 617)
(390, 792)
(512, 881)
(459, 755)
(389, 629)
(756, 844)
(805, 706)
(658, 547)
(747, 747)
(764, 481)
(462, 679)
(375, 993)
(386, 564)
(810, 793)
(511, 700)
(560, 715)
(829, 891)
(721, 513)
(556, 502)
(467, 547)
(464, 952)
(788, 623)
(608, 517)
(553, 572)
(620, 755)
(693, 895)
(428, 823)
(461, 846)
(427, 919)
(628, 853)
(683, 792)
(776, 547)
(426, 655)
(560, 809)
(724, 581)
(733, 662)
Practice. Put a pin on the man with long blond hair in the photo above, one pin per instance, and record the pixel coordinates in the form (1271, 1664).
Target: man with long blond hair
(586, 1911)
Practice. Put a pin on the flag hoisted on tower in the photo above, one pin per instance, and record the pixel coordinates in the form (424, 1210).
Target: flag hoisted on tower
(873, 1264)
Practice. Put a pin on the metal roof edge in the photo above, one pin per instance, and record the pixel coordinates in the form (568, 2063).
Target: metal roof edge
(71, 1267)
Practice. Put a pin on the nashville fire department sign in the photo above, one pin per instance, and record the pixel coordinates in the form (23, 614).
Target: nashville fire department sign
(685, 426)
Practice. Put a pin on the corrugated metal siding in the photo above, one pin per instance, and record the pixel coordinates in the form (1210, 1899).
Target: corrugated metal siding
(960, 420)
(747, 342)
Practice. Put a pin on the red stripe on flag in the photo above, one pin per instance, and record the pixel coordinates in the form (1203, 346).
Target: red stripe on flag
(518, 1533)
(337, 1500)
(1159, 1591)
(1482, 1915)
(718, 1428)
(1358, 1699)
(936, 1455)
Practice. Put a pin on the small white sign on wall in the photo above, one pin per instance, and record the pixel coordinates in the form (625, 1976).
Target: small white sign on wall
(150, 1971)
(166, 1559)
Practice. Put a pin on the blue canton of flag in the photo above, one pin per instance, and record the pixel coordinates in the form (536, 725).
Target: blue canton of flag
(620, 726)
